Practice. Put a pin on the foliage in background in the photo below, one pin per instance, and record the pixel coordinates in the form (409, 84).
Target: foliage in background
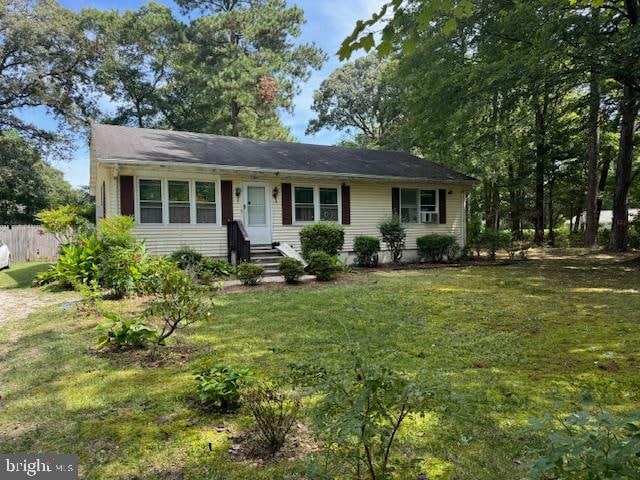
(589, 444)
(437, 247)
(327, 237)
(275, 411)
(366, 249)
(219, 387)
(291, 269)
(494, 240)
(186, 258)
(393, 235)
(250, 273)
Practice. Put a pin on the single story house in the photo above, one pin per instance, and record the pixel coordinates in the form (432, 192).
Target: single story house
(213, 193)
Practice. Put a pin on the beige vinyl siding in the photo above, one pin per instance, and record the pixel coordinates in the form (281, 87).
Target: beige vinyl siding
(370, 204)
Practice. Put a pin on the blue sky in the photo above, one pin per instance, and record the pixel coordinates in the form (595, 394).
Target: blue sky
(328, 23)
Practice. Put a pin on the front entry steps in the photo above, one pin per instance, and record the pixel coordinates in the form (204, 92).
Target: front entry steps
(268, 257)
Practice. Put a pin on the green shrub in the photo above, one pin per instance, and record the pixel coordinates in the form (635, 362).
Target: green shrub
(215, 267)
(604, 234)
(436, 247)
(121, 269)
(275, 411)
(186, 258)
(366, 249)
(590, 444)
(78, 263)
(324, 237)
(362, 409)
(152, 273)
(393, 235)
(219, 387)
(62, 222)
(116, 231)
(120, 333)
(177, 302)
(323, 266)
(634, 233)
(250, 273)
(291, 269)
(494, 240)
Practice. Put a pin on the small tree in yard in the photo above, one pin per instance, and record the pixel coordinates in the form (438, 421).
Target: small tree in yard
(393, 234)
(178, 302)
(362, 409)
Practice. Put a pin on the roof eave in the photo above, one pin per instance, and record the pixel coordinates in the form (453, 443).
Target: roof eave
(452, 181)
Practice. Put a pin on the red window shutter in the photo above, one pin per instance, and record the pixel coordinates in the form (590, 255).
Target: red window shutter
(395, 201)
(346, 205)
(126, 195)
(227, 201)
(442, 205)
(286, 204)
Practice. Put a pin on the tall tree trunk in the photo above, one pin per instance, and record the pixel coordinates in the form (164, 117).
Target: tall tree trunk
(602, 186)
(624, 163)
(593, 161)
(235, 121)
(540, 111)
(514, 207)
(552, 231)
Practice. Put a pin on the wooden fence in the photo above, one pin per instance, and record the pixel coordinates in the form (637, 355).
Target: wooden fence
(29, 243)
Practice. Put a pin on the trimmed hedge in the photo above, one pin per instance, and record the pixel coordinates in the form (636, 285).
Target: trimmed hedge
(291, 269)
(322, 266)
(324, 237)
(437, 246)
(250, 273)
(366, 249)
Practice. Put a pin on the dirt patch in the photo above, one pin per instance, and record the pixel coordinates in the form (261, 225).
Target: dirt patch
(246, 447)
(18, 304)
(175, 355)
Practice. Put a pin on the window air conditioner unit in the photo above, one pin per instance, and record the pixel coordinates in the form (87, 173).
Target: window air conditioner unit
(429, 217)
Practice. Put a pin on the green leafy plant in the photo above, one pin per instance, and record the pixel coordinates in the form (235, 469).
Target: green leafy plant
(327, 237)
(62, 222)
(250, 273)
(219, 387)
(177, 301)
(78, 263)
(115, 231)
(589, 444)
(186, 258)
(604, 234)
(121, 269)
(275, 411)
(215, 267)
(393, 235)
(291, 269)
(119, 333)
(361, 410)
(323, 266)
(366, 249)
(437, 247)
(494, 240)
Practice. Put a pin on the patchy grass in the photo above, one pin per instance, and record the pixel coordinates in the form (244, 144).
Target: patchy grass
(21, 274)
(509, 340)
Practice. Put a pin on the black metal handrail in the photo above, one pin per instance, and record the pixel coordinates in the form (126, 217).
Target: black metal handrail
(238, 242)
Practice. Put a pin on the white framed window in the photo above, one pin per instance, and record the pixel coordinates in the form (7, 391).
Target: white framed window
(328, 204)
(179, 201)
(150, 200)
(316, 202)
(206, 206)
(418, 206)
(304, 204)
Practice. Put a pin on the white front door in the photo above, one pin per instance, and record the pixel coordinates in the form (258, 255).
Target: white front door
(257, 212)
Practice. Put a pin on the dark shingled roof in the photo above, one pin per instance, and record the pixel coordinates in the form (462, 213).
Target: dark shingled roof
(115, 143)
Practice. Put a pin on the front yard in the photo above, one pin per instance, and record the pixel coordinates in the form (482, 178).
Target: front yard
(510, 341)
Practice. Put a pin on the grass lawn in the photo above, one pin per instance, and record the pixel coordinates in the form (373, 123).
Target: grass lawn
(21, 274)
(510, 340)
